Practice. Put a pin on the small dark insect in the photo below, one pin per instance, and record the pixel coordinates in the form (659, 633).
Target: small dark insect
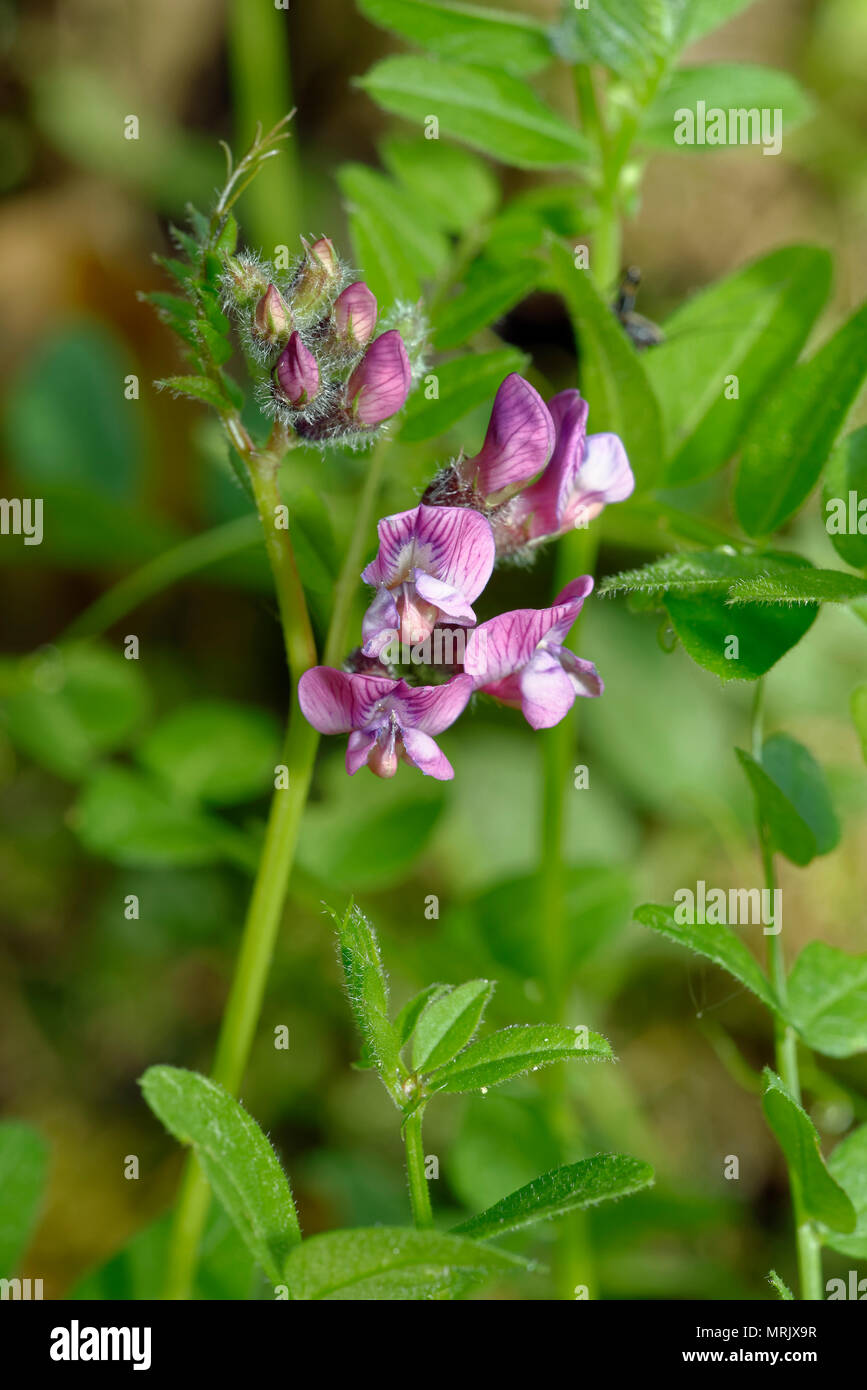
(643, 332)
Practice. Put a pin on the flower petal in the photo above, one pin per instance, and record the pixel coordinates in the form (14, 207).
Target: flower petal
(335, 702)
(519, 438)
(359, 749)
(456, 545)
(503, 645)
(381, 622)
(547, 694)
(424, 754)
(445, 597)
(394, 557)
(432, 708)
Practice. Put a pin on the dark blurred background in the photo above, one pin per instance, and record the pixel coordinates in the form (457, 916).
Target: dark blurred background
(88, 999)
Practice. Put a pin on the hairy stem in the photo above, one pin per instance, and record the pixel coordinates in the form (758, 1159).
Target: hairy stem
(809, 1249)
(419, 1193)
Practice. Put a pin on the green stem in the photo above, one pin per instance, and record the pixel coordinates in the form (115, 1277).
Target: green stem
(809, 1249)
(419, 1193)
(574, 1263)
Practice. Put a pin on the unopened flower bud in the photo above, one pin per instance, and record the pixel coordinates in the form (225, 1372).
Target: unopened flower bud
(297, 373)
(355, 313)
(318, 273)
(244, 279)
(272, 321)
(380, 383)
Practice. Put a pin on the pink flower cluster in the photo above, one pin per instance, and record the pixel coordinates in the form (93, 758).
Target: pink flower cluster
(536, 476)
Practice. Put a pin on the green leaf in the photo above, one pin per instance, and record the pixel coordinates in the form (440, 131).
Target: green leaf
(858, 707)
(574, 1187)
(699, 572)
(367, 988)
(463, 384)
(752, 325)
(827, 1000)
(706, 625)
(792, 797)
(239, 1163)
(215, 751)
(630, 37)
(448, 1024)
(611, 373)
(488, 291)
(457, 188)
(791, 437)
(716, 943)
(131, 819)
(741, 87)
(513, 1051)
(848, 1166)
(23, 1170)
(529, 217)
(497, 38)
(782, 1289)
(137, 1271)
(806, 586)
(412, 1010)
(845, 516)
(823, 1199)
(197, 388)
(385, 1263)
(74, 704)
(484, 108)
(393, 236)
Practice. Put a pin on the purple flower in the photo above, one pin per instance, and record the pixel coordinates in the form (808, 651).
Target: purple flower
(431, 564)
(386, 720)
(355, 313)
(296, 372)
(583, 475)
(518, 442)
(380, 383)
(519, 658)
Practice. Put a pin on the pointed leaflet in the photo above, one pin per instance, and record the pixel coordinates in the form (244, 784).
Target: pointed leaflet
(827, 1000)
(513, 1051)
(611, 375)
(706, 624)
(495, 37)
(487, 109)
(717, 943)
(448, 1023)
(574, 1187)
(239, 1163)
(700, 572)
(824, 1200)
(804, 586)
(367, 987)
(388, 1263)
(792, 435)
(392, 235)
(23, 1166)
(848, 1165)
(412, 1010)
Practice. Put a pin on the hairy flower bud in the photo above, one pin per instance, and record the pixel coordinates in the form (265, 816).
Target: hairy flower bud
(296, 373)
(272, 321)
(318, 274)
(355, 314)
(380, 383)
